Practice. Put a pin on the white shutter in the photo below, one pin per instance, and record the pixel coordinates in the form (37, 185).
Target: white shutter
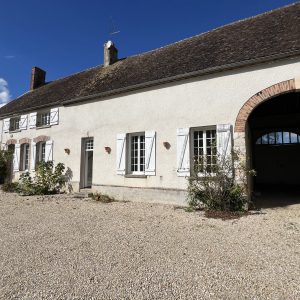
(54, 116)
(32, 120)
(183, 152)
(150, 153)
(224, 140)
(33, 155)
(49, 151)
(16, 160)
(23, 122)
(6, 123)
(121, 153)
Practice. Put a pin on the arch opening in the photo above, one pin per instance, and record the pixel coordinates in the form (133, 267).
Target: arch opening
(273, 138)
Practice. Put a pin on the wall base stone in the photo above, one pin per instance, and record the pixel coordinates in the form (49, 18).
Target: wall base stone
(149, 195)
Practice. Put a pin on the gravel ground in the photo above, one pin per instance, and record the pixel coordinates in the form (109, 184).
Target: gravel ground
(64, 248)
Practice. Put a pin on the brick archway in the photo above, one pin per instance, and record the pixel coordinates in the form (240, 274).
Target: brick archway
(41, 138)
(11, 142)
(24, 141)
(262, 96)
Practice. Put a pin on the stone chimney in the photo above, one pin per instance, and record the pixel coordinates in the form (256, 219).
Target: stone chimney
(110, 54)
(38, 77)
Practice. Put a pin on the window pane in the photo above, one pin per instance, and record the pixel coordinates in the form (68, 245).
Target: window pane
(43, 118)
(198, 146)
(211, 149)
(43, 158)
(89, 145)
(137, 153)
(14, 124)
(278, 138)
(205, 161)
(26, 157)
(142, 153)
(265, 139)
(272, 139)
(294, 138)
(286, 137)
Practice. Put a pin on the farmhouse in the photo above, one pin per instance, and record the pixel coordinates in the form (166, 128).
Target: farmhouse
(132, 127)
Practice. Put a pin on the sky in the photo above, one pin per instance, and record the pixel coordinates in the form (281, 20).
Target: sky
(65, 37)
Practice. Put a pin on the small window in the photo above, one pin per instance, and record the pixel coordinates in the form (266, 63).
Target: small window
(43, 119)
(279, 138)
(14, 124)
(24, 165)
(40, 152)
(204, 149)
(137, 153)
(89, 145)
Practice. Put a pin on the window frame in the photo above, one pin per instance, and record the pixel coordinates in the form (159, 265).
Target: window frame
(89, 144)
(40, 152)
(41, 116)
(12, 124)
(24, 152)
(260, 141)
(204, 130)
(129, 138)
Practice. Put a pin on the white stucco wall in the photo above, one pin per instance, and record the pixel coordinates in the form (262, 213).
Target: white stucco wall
(207, 100)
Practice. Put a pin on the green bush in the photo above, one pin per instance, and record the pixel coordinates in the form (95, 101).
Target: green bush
(5, 159)
(48, 180)
(10, 187)
(221, 187)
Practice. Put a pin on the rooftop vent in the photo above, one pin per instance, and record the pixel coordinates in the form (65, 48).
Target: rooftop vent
(38, 77)
(110, 53)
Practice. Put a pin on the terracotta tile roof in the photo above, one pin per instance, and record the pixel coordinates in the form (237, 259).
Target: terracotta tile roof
(272, 35)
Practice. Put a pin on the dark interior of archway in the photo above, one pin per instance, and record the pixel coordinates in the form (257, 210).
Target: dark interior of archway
(274, 148)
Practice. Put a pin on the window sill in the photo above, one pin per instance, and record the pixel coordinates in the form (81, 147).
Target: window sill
(42, 127)
(205, 175)
(135, 176)
(15, 131)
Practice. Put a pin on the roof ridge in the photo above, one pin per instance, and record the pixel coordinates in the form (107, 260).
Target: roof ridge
(193, 56)
(218, 28)
(177, 42)
(56, 80)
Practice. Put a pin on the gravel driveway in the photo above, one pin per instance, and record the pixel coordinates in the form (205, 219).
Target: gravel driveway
(64, 248)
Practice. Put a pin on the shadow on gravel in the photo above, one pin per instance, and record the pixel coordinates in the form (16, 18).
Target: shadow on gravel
(271, 196)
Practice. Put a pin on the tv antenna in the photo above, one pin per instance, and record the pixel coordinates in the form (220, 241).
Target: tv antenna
(112, 27)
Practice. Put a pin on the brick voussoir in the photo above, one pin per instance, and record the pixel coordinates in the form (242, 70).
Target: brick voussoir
(258, 98)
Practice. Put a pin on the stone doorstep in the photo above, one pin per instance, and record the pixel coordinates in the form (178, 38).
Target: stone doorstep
(83, 193)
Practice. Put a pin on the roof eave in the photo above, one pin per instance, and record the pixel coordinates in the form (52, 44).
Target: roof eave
(227, 67)
(37, 107)
(208, 71)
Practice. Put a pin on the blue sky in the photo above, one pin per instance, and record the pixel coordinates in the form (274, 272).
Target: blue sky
(64, 37)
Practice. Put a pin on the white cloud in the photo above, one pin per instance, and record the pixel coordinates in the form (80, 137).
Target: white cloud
(9, 56)
(4, 92)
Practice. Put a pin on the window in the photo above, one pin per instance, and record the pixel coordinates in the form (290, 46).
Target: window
(279, 138)
(43, 119)
(40, 151)
(14, 124)
(24, 157)
(137, 153)
(204, 149)
(89, 145)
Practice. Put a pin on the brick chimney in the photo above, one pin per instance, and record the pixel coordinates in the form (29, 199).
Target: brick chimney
(110, 53)
(38, 77)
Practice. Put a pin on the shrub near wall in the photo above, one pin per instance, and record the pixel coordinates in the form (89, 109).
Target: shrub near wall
(221, 187)
(47, 180)
(5, 159)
